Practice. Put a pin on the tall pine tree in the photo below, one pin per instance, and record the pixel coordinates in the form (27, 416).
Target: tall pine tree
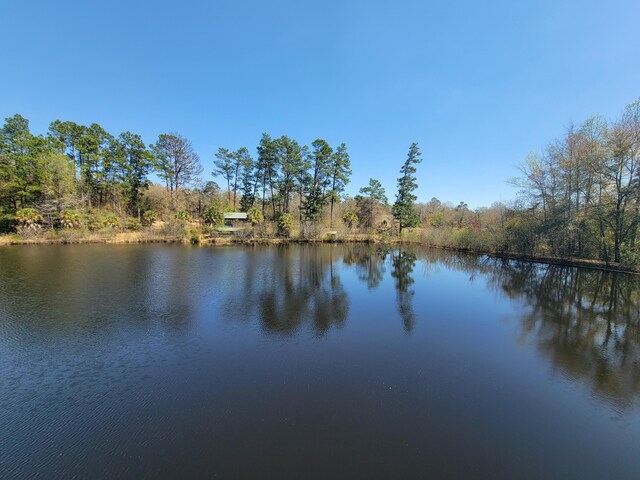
(403, 209)
(320, 179)
(340, 170)
(248, 179)
(225, 167)
(268, 169)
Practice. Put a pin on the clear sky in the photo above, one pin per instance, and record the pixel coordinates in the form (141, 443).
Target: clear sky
(477, 84)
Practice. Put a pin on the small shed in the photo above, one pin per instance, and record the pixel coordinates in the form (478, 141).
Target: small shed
(235, 216)
(232, 221)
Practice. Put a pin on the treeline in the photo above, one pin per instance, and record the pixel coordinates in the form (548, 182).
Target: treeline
(79, 176)
(285, 173)
(75, 171)
(580, 197)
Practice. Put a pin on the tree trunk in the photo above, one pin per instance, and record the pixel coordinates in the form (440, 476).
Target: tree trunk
(331, 214)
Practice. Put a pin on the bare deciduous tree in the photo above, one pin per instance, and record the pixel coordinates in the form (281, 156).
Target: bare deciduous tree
(176, 161)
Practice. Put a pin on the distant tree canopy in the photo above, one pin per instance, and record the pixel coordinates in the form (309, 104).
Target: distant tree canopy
(579, 197)
(75, 167)
(284, 170)
(582, 193)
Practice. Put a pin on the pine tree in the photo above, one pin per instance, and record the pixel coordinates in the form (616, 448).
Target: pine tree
(316, 199)
(340, 170)
(245, 177)
(249, 182)
(133, 163)
(369, 200)
(403, 209)
(241, 159)
(225, 167)
(268, 169)
(290, 158)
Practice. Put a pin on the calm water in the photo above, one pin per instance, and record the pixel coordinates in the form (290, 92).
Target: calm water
(313, 362)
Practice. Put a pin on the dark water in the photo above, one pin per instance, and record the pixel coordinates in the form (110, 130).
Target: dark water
(313, 362)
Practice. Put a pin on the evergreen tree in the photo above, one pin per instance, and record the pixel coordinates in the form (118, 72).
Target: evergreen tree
(18, 185)
(292, 164)
(267, 167)
(403, 209)
(340, 171)
(248, 195)
(241, 158)
(67, 136)
(93, 162)
(303, 178)
(226, 167)
(316, 196)
(248, 174)
(134, 162)
(369, 199)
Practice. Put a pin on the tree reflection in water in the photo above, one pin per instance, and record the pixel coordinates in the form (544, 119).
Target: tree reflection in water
(370, 265)
(303, 285)
(403, 264)
(370, 262)
(586, 321)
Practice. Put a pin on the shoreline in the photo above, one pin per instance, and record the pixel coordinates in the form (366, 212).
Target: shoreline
(131, 238)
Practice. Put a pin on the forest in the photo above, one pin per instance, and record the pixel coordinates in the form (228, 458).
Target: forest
(578, 198)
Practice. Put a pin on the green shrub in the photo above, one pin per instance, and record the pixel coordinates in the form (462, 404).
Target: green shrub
(630, 256)
(183, 215)
(285, 224)
(350, 218)
(133, 224)
(255, 217)
(7, 221)
(95, 222)
(462, 238)
(149, 217)
(213, 216)
(437, 219)
(111, 221)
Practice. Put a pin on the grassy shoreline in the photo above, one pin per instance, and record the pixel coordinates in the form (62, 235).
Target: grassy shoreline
(123, 238)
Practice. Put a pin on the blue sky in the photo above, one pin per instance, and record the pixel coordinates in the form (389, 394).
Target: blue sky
(478, 85)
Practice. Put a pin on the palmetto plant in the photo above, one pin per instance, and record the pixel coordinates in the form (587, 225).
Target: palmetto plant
(254, 215)
(149, 217)
(285, 224)
(350, 219)
(29, 218)
(213, 216)
(71, 219)
(111, 221)
(183, 215)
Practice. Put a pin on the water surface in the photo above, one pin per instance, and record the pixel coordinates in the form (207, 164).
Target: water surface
(314, 362)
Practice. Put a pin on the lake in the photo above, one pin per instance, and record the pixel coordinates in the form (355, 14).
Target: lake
(328, 361)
